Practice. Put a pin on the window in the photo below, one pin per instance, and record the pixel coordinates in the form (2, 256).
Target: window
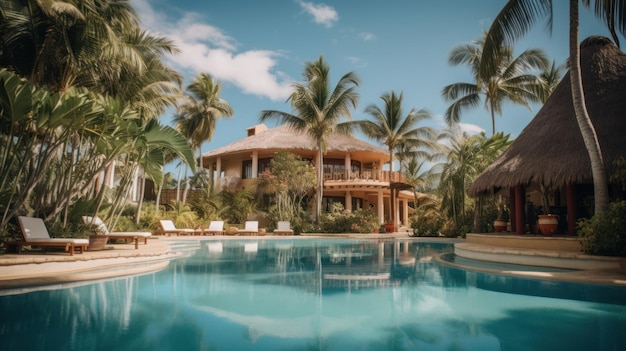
(246, 169)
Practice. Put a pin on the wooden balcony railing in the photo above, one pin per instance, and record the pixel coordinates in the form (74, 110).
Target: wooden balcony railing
(375, 175)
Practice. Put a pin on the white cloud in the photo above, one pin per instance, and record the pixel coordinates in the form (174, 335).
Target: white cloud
(367, 36)
(205, 48)
(470, 129)
(322, 14)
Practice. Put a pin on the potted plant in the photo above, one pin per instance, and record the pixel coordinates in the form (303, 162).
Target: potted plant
(547, 222)
(231, 230)
(97, 237)
(499, 224)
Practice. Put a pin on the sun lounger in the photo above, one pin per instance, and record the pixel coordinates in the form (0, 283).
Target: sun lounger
(283, 228)
(251, 228)
(215, 228)
(167, 227)
(35, 233)
(135, 236)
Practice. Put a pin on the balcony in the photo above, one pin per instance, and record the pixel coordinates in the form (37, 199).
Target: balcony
(373, 175)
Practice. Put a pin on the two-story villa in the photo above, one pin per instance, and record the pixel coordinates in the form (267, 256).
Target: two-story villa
(353, 172)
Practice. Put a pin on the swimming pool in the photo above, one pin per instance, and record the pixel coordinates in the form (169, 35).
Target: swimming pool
(304, 294)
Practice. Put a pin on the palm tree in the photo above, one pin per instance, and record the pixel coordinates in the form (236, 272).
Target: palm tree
(510, 81)
(391, 128)
(419, 177)
(319, 111)
(468, 156)
(206, 108)
(515, 19)
(197, 117)
(59, 44)
(423, 177)
(550, 78)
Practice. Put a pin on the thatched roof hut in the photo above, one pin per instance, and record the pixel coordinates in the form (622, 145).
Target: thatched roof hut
(550, 150)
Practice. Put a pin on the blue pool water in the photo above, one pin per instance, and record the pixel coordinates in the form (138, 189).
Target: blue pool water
(303, 294)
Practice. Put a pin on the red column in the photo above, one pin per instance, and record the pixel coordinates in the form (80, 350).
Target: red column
(512, 207)
(520, 198)
(572, 216)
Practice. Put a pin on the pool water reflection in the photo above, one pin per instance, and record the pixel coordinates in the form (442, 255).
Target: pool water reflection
(303, 294)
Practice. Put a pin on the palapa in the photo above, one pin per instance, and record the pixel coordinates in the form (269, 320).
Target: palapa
(550, 150)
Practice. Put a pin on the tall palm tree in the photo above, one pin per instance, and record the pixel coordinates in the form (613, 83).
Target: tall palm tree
(319, 111)
(206, 108)
(512, 80)
(393, 129)
(196, 118)
(515, 19)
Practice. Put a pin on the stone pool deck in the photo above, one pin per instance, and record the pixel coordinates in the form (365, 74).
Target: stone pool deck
(34, 268)
(563, 252)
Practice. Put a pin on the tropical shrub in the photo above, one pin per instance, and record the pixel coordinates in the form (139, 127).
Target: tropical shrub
(340, 221)
(181, 215)
(426, 225)
(237, 205)
(605, 233)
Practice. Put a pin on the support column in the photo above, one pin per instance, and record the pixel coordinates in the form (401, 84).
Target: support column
(347, 169)
(255, 164)
(520, 219)
(396, 214)
(348, 200)
(381, 207)
(572, 215)
(405, 211)
(218, 173)
(512, 207)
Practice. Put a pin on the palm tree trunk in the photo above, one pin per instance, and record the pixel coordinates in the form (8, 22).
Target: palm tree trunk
(142, 191)
(493, 121)
(186, 186)
(180, 169)
(600, 181)
(158, 196)
(392, 208)
(320, 182)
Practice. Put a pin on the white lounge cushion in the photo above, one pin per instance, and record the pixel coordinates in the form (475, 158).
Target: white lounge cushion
(216, 226)
(103, 228)
(34, 230)
(60, 240)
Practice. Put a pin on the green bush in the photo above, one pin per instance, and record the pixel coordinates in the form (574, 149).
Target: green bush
(605, 233)
(359, 221)
(426, 225)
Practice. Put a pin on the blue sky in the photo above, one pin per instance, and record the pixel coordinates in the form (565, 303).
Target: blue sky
(257, 49)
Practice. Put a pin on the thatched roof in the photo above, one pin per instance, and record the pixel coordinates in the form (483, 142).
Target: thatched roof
(550, 150)
(285, 138)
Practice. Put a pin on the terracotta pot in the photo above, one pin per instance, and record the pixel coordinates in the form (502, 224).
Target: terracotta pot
(262, 232)
(97, 242)
(232, 231)
(548, 224)
(499, 225)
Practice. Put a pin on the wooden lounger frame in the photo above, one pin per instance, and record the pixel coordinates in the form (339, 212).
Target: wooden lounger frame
(16, 246)
(129, 237)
